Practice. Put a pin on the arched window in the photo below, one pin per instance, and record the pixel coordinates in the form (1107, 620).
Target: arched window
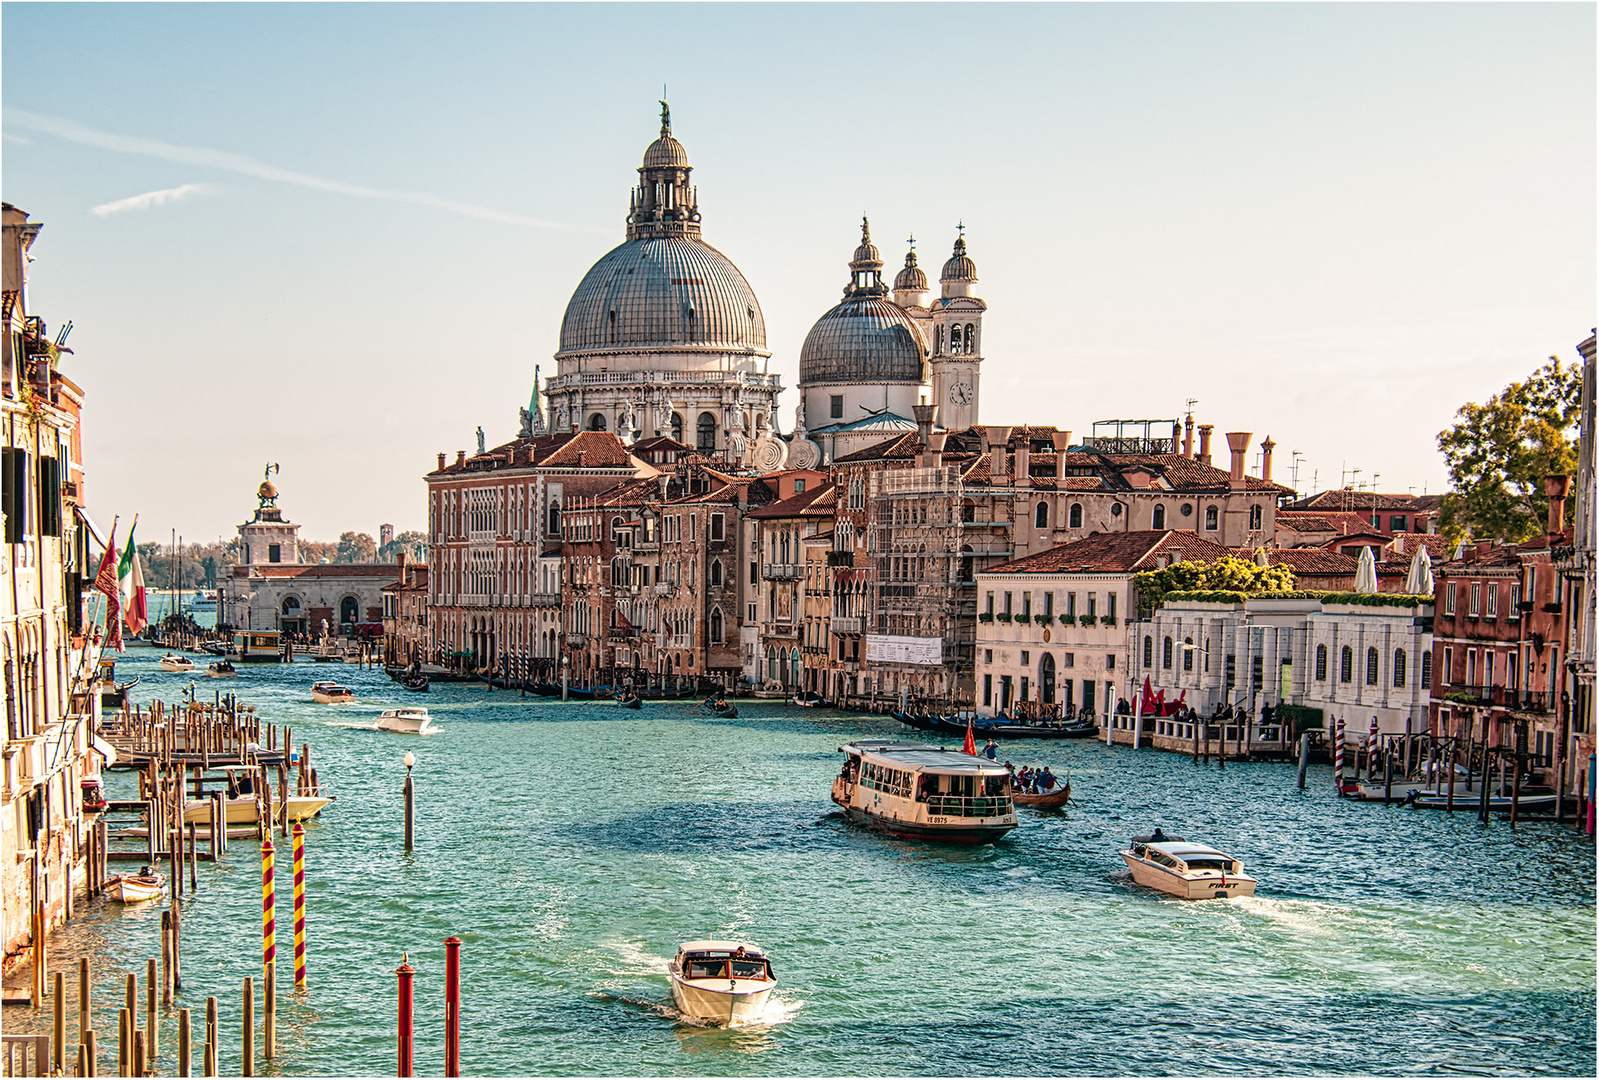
(1074, 516)
(1165, 654)
(1046, 679)
(705, 432)
(1188, 654)
(1210, 519)
(716, 624)
(1041, 516)
(1149, 651)
(955, 340)
(1255, 517)
(1321, 663)
(291, 606)
(677, 427)
(597, 422)
(1371, 666)
(349, 610)
(1157, 520)
(716, 572)
(1426, 668)
(971, 339)
(938, 348)
(555, 517)
(1346, 665)
(1399, 667)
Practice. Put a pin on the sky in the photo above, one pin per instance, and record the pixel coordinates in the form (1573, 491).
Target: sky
(340, 237)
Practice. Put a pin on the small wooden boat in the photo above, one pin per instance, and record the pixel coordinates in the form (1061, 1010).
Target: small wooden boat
(1049, 800)
(175, 662)
(417, 683)
(722, 708)
(1187, 870)
(406, 721)
(724, 982)
(246, 811)
(1533, 800)
(331, 693)
(135, 888)
(628, 700)
(812, 701)
(222, 669)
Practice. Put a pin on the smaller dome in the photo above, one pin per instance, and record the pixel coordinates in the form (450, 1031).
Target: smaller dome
(910, 279)
(959, 267)
(866, 257)
(666, 153)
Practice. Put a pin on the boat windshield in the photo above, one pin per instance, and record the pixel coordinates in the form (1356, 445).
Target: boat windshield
(707, 969)
(1200, 863)
(749, 969)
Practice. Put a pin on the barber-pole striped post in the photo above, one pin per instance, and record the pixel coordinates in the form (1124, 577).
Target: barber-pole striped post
(269, 948)
(1338, 757)
(299, 904)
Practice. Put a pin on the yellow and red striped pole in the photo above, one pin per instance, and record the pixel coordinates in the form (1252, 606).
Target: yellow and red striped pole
(299, 903)
(269, 949)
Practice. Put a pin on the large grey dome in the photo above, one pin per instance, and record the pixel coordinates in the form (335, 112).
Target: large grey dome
(864, 339)
(662, 292)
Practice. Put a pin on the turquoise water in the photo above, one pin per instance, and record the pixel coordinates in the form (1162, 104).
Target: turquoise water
(572, 847)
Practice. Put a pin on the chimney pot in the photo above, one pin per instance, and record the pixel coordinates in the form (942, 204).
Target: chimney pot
(1238, 443)
(996, 439)
(1188, 436)
(1265, 458)
(1204, 442)
(924, 421)
(441, 459)
(460, 457)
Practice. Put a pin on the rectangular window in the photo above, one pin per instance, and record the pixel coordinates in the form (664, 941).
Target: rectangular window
(1027, 608)
(1398, 522)
(1110, 661)
(1449, 598)
(988, 656)
(755, 573)
(1069, 660)
(693, 526)
(1024, 688)
(1492, 607)
(799, 485)
(15, 475)
(836, 411)
(1515, 601)
(49, 497)
(1027, 658)
(1110, 604)
(1475, 607)
(716, 526)
(1007, 604)
(1488, 669)
(1449, 667)
(988, 690)
(1071, 604)
(1471, 668)
(1049, 605)
(1092, 598)
(274, 553)
(990, 603)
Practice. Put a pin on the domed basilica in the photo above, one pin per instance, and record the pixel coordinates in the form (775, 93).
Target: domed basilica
(664, 337)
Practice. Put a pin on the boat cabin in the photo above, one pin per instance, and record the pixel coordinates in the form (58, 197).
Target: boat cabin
(952, 784)
(722, 960)
(1185, 857)
(257, 645)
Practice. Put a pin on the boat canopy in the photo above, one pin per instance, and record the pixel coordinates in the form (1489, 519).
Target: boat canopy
(916, 757)
(720, 948)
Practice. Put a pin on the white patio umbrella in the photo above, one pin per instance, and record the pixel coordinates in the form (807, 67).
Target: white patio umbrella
(1419, 581)
(1261, 558)
(1366, 572)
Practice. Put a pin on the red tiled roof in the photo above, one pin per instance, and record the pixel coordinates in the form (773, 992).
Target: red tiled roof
(904, 445)
(794, 505)
(1329, 521)
(1115, 553)
(1307, 560)
(316, 570)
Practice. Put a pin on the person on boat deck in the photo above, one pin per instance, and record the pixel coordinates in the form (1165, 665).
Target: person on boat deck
(991, 751)
(1046, 779)
(1157, 836)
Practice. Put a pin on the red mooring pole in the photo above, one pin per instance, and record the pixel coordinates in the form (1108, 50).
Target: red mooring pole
(405, 971)
(452, 1006)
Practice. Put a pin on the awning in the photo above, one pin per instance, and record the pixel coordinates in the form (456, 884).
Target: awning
(104, 749)
(88, 523)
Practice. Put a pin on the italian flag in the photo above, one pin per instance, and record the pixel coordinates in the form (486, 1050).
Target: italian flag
(130, 585)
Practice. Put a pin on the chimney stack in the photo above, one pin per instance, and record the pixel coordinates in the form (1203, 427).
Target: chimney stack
(1188, 436)
(1555, 488)
(924, 421)
(1265, 459)
(1238, 443)
(996, 439)
(441, 460)
(399, 561)
(1024, 462)
(1061, 439)
(935, 449)
(1204, 442)
(460, 457)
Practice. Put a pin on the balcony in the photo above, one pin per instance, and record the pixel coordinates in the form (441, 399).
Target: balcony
(546, 599)
(1505, 697)
(774, 571)
(662, 588)
(847, 625)
(840, 558)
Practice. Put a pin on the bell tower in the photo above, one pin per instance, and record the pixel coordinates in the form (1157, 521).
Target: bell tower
(957, 345)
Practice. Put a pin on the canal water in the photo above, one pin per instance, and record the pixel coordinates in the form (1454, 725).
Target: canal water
(572, 847)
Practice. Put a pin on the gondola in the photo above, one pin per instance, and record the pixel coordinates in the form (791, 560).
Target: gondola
(1049, 800)
(726, 710)
(812, 701)
(628, 700)
(417, 683)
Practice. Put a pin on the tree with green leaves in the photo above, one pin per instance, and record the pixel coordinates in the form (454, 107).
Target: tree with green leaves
(1499, 452)
(1229, 574)
(356, 547)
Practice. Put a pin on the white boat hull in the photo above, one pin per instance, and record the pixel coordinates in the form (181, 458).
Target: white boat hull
(737, 1001)
(331, 699)
(131, 892)
(1193, 885)
(406, 726)
(177, 665)
(246, 811)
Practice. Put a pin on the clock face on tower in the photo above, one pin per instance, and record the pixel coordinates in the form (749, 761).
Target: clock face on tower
(960, 393)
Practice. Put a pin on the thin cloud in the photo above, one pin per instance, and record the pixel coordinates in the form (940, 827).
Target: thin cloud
(238, 163)
(149, 199)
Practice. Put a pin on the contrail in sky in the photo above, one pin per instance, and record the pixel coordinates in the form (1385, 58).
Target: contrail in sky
(238, 163)
(149, 199)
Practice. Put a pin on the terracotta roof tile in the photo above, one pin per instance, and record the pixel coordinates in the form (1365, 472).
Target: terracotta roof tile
(1115, 553)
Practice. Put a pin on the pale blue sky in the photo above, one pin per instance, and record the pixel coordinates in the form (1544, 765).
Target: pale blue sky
(1329, 223)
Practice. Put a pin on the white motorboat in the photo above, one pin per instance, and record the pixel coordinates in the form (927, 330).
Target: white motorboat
(331, 693)
(245, 811)
(1191, 871)
(174, 662)
(135, 888)
(406, 721)
(222, 669)
(923, 792)
(725, 982)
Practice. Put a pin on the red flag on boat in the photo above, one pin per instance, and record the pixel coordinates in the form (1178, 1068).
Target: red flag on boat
(971, 741)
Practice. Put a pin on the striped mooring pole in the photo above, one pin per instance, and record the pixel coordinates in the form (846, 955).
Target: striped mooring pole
(1338, 757)
(269, 947)
(299, 904)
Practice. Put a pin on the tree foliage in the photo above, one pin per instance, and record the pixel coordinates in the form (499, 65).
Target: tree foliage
(1228, 574)
(413, 543)
(1499, 452)
(356, 547)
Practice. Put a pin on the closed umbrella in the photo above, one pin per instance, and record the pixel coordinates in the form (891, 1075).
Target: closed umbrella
(1366, 572)
(1261, 558)
(1419, 581)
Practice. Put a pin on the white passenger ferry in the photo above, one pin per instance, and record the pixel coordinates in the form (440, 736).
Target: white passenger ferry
(924, 792)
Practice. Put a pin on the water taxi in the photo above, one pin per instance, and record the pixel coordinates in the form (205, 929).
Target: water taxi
(725, 982)
(176, 662)
(1191, 871)
(222, 669)
(257, 646)
(923, 792)
(331, 693)
(406, 721)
